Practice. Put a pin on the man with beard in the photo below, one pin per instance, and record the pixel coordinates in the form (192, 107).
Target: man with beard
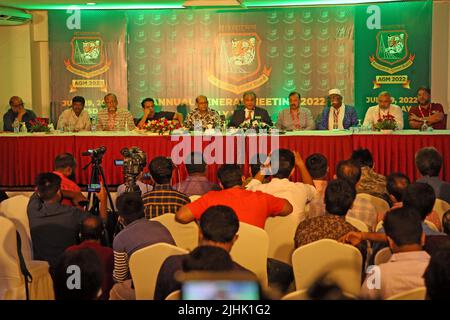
(65, 166)
(296, 117)
(17, 112)
(433, 113)
(383, 111)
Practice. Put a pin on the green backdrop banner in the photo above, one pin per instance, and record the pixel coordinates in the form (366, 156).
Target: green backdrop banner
(175, 55)
(392, 42)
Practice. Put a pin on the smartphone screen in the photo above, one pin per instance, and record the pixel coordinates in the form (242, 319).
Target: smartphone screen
(118, 162)
(220, 290)
(94, 187)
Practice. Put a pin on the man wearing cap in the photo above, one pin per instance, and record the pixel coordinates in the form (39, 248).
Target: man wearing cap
(296, 117)
(338, 115)
(384, 110)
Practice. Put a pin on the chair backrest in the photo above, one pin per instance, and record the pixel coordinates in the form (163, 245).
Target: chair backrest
(281, 232)
(340, 263)
(382, 256)
(431, 225)
(176, 295)
(194, 197)
(381, 206)
(414, 294)
(15, 209)
(10, 276)
(144, 267)
(251, 249)
(185, 235)
(441, 207)
(379, 225)
(303, 295)
(358, 224)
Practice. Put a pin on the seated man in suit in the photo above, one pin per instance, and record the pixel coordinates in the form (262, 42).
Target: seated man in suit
(338, 115)
(250, 112)
(296, 117)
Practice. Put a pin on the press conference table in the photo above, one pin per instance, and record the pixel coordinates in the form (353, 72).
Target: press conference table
(23, 156)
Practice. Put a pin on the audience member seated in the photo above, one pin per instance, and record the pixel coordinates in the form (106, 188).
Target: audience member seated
(54, 227)
(138, 233)
(163, 198)
(362, 208)
(371, 182)
(437, 274)
(396, 187)
(196, 183)
(251, 207)
(283, 164)
(91, 233)
(420, 196)
(75, 118)
(339, 196)
(433, 242)
(85, 264)
(317, 166)
(113, 119)
(139, 182)
(148, 104)
(217, 234)
(429, 163)
(16, 114)
(404, 270)
(65, 166)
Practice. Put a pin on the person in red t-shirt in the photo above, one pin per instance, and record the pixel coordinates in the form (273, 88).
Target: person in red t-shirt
(91, 233)
(250, 207)
(433, 113)
(65, 166)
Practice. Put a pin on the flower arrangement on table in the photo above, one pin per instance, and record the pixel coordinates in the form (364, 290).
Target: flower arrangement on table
(255, 124)
(387, 122)
(162, 126)
(39, 125)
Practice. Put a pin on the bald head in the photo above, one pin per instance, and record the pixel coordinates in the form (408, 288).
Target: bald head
(384, 99)
(91, 228)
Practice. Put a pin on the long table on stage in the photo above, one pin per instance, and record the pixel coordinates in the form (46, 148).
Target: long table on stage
(23, 156)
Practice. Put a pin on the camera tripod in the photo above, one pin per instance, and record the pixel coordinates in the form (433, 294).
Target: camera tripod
(111, 219)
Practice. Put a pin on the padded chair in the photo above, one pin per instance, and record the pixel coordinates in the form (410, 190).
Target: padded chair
(382, 256)
(358, 224)
(194, 197)
(281, 232)
(12, 282)
(414, 294)
(379, 226)
(380, 205)
(251, 250)
(441, 207)
(431, 225)
(176, 295)
(15, 209)
(341, 263)
(185, 235)
(144, 267)
(303, 295)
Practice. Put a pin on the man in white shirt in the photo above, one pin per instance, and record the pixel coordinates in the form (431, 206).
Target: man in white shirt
(383, 110)
(405, 269)
(75, 118)
(297, 193)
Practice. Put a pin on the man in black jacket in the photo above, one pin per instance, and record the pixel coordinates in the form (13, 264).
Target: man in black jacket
(250, 112)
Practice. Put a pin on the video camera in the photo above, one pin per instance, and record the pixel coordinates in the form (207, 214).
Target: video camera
(133, 164)
(95, 153)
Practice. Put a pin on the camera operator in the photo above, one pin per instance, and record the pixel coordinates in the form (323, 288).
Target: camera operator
(65, 166)
(139, 182)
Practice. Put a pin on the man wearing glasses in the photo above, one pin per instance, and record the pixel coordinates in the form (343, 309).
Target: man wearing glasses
(17, 112)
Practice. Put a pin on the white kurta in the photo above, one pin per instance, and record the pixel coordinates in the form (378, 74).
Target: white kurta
(373, 114)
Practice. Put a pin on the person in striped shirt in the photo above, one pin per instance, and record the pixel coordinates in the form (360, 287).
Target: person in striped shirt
(137, 234)
(163, 198)
(113, 119)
